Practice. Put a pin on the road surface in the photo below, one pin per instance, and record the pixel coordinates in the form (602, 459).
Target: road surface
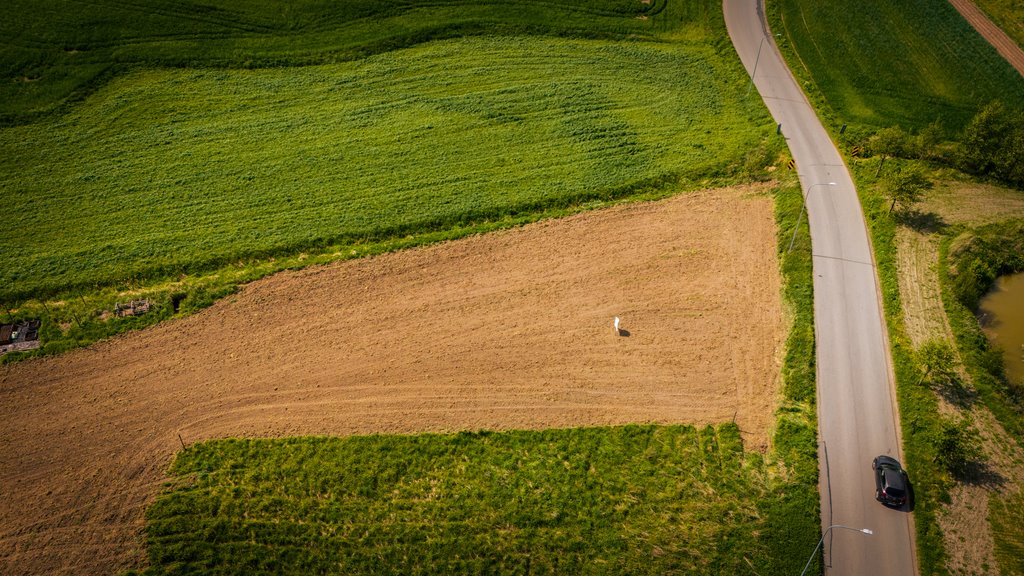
(857, 415)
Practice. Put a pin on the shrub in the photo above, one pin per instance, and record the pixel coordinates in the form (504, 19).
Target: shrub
(939, 362)
(992, 144)
(957, 445)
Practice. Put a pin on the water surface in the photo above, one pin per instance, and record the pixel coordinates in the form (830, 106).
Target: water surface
(1002, 314)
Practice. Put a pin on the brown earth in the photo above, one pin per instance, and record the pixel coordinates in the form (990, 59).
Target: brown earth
(508, 330)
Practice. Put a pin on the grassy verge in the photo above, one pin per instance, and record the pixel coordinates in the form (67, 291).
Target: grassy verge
(633, 499)
(795, 516)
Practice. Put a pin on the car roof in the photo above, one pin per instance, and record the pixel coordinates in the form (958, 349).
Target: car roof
(893, 478)
(888, 460)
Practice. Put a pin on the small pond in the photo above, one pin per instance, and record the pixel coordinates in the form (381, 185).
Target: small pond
(1002, 315)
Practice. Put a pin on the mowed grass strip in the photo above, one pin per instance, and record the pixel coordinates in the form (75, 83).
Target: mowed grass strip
(54, 50)
(166, 172)
(621, 500)
(909, 63)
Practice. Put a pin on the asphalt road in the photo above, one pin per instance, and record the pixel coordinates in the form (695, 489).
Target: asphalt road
(857, 415)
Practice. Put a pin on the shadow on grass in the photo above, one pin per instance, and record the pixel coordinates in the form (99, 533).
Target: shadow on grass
(923, 222)
(980, 474)
(956, 393)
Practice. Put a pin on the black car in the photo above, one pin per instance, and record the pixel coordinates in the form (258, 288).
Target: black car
(890, 481)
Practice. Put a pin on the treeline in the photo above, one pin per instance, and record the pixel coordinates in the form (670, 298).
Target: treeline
(991, 145)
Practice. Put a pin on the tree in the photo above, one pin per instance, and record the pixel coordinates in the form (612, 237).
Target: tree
(940, 363)
(928, 140)
(906, 187)
(957, 444)
(888, 142)
(993, 144)
(983, 137)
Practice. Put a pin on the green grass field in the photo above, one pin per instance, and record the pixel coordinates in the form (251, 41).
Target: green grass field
(189, 137)
(624, 500)
(175, 171)
(882, 63)
(53, 51)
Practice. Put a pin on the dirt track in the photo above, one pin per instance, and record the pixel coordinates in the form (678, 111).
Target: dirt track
(995, 36)
(508, 330)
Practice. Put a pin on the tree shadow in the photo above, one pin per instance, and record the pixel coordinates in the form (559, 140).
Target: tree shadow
(976, 473)
(956, 393)
(923, 222)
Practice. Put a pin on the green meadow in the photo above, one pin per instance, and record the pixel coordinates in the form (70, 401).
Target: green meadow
(61, 50)
(882, 63)
(168, 172)
(623, 500)
(157, 141)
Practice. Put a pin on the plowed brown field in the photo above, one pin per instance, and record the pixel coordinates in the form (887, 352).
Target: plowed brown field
(507, 330)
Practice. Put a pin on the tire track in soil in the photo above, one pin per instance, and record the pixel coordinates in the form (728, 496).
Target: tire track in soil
(510, 330)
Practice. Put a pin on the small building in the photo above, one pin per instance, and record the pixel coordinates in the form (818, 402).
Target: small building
(133, 308)
(20, 335)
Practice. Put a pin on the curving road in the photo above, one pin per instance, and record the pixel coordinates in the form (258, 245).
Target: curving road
(857, 416)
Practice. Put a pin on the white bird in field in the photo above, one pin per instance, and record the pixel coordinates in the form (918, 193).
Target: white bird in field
(617, 325)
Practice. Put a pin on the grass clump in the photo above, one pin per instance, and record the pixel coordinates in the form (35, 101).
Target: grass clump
(634, 499)
(1006, 514)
